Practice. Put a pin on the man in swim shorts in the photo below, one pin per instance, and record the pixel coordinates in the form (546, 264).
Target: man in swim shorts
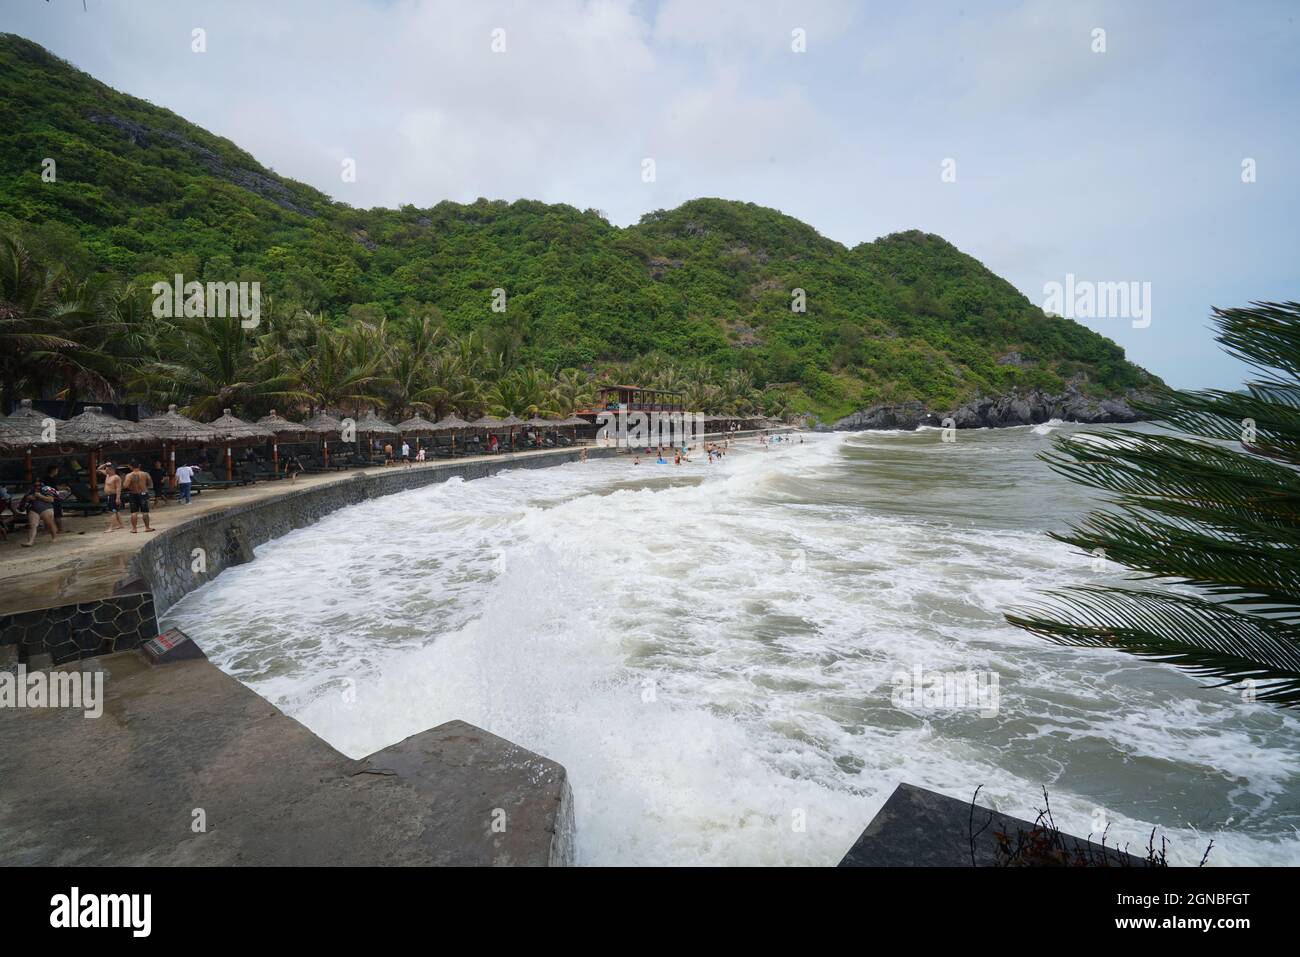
(136, 489)
(112, 496)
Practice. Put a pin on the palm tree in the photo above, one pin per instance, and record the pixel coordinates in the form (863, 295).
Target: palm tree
(343, 368)
(524, 392)
(702, 396)
(208, 365)
(37, 316)
(739, 397)
(449, 386)
(1214, 512)
(572, 390)
(775, 404)
(114, 333)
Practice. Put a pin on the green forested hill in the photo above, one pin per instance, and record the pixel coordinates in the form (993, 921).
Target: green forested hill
(143, 194)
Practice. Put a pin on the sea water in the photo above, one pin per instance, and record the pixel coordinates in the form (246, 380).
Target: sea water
(713, 651)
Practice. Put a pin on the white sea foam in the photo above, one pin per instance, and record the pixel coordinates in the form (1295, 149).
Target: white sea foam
(710, 650)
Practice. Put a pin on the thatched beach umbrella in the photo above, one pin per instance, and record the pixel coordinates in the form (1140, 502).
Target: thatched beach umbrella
(280, 428)
(24, 428)
(537, 422)
(417, 425)
(25, 417)
(452, 423)
(573, 422)
(486, 422)
(371, 424)
(235, 431)
(512, 422)
(174, 428)
(324, 425)
(92, 430)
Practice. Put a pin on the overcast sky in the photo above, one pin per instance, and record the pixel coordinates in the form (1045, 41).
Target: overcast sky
(1117, 166)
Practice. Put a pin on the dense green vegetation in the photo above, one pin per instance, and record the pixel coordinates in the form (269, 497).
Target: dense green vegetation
(701, 293)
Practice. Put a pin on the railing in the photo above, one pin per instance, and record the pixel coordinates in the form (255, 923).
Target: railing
(633, 407)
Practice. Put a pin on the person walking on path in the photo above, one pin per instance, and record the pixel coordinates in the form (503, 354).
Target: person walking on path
(112, 496)
(184, 482)
(40, 511)
(136, 486)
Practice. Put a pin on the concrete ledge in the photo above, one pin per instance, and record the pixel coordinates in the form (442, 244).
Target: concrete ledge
(181, 741)
(922, 828)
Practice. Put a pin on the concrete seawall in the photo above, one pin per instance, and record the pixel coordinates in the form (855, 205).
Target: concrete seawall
(227, 538)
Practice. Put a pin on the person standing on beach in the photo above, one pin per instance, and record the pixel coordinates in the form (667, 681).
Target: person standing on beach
(158, 477)
(40, 511)
(406, 452)
(112, 496)
(184, 480)
(136, 486)
(54, 478)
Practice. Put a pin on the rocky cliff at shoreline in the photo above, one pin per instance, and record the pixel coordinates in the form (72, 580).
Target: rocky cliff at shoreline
(1026, 408)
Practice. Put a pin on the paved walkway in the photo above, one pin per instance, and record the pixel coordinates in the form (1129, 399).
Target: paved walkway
(86, 562)
(181, 745)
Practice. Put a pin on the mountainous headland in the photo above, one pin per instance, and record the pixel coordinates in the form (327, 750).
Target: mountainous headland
(889, 333)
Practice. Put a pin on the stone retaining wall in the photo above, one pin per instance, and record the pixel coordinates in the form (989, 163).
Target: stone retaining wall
(227, 538)
(82, 630)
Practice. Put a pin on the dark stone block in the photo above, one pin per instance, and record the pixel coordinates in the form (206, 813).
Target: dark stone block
(88, 640)
(64, 652)
(922, 828)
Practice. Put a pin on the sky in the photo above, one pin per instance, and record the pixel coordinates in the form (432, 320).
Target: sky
(1160, 151)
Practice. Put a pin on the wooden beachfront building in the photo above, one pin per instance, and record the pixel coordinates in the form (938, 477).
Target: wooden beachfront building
(634, 398)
